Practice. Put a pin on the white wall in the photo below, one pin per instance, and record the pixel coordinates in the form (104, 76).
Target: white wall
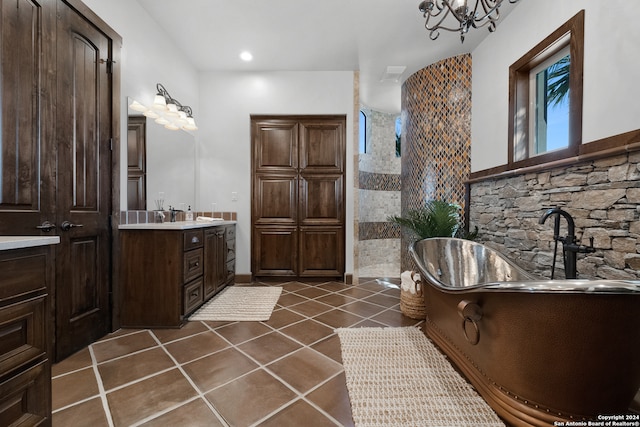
(228, 99)
(222, 104)
(149, 57)
(611, 90)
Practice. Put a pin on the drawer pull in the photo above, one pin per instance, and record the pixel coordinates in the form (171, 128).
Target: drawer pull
(195, 294)
(195, 239)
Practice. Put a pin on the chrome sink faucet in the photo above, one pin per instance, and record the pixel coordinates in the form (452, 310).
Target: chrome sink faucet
(569, 245)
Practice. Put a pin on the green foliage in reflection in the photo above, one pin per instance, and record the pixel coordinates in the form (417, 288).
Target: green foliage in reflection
(558, 81)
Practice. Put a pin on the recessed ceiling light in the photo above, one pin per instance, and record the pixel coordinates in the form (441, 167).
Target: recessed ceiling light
(246, 56)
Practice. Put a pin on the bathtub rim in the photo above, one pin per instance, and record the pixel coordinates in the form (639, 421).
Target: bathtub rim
(535, 285)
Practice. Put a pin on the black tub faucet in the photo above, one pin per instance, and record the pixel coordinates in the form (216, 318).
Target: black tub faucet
(569, 245)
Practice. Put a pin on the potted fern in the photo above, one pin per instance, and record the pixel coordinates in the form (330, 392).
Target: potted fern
(436, 219)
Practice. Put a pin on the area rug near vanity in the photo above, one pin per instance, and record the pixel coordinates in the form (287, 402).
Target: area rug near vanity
(397, 377)
(240, 303)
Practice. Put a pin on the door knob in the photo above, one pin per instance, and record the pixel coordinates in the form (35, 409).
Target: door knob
(67, 225)
(46, 226)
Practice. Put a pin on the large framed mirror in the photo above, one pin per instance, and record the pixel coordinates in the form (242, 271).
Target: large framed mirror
(158, 161)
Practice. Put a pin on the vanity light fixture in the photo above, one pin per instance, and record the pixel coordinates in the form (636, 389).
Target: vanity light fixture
(484, 13)
(167, 111)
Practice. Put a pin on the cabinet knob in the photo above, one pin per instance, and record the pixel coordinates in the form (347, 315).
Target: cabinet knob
(195, 239)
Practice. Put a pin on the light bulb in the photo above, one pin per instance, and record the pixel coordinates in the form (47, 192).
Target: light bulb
(172, 109)
(191, 124)
(159, 103)
(151, 114)
(136, 106)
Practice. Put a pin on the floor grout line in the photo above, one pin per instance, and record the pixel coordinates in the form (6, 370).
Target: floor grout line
(103, 393)
(328, 289)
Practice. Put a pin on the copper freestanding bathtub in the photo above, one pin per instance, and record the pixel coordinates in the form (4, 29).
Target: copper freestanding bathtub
(538, 351)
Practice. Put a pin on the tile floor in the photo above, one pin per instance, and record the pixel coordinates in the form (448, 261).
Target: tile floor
(283, 372)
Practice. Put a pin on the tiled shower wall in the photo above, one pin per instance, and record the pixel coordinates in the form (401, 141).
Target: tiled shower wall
(436, 137)
(379, 197)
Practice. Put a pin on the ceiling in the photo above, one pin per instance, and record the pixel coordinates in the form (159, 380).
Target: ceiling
(306, 35)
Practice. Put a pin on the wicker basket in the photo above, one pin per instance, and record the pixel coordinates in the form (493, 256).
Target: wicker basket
(412, 305)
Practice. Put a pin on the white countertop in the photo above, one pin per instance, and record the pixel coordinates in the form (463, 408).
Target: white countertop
(17, 242)
(178, 225)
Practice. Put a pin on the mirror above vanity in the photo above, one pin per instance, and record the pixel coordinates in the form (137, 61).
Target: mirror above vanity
(159, 160)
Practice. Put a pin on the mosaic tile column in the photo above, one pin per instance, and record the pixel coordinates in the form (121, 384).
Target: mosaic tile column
(436, 136)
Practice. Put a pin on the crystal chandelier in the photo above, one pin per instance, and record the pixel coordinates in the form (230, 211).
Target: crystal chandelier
(484, 13)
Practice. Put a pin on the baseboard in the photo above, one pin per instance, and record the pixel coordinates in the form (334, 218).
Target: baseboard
(243, 278)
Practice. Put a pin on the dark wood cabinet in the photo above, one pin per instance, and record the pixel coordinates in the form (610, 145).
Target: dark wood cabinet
(215, 269)
(298, 196)
(26, 277)
(168, 274)
(59, 127)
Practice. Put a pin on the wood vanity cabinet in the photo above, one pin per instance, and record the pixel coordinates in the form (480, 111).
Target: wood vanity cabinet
(26, 276)
(215, 269)
(168, 274)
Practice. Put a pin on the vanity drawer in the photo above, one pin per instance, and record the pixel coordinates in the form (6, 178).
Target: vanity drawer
(22, 334)
(25, 398)
(192, 296)
(22, 274)
(193, 262)
(193, 239)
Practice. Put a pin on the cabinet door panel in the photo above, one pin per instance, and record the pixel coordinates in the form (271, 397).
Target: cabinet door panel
(321, 200)
(321, 251)
(322, 146)
(215, 270)
(276, 146)
(275, 199)
(274, 251)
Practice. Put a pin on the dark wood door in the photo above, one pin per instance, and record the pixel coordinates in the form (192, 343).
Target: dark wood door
(137, 163)
(83, 198)
(27, 180)
(298, 196)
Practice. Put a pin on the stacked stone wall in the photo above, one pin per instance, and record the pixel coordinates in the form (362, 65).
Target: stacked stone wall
(603, 196)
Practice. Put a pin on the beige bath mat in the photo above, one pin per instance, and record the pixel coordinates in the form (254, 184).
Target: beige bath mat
(397, 377)
(238, 303)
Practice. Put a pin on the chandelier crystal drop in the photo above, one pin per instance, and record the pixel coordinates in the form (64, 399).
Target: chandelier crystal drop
(465, 14)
